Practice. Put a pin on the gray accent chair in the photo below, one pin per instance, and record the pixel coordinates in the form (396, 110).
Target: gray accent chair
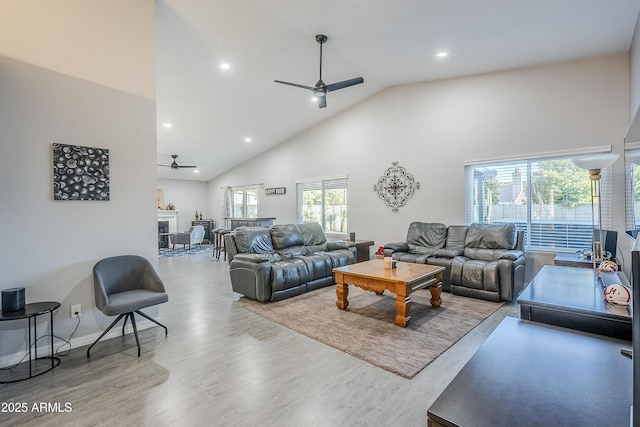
(195, 236)
(284, 260)
(123, 285)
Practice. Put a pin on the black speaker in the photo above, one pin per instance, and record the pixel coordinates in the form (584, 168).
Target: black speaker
(610, 239)
(13, 299)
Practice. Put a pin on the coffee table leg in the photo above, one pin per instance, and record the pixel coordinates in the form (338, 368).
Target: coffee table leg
(403, 308)
(436, 291)
(342, 292)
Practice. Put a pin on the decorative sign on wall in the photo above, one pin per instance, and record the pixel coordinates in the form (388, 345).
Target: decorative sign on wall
(80, 173)
(275, 190)
(396, 186)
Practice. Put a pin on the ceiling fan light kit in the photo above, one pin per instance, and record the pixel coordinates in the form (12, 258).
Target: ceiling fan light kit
(320, 89)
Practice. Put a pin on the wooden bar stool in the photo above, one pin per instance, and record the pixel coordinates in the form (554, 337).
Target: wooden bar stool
(223, 245)
(216, 240)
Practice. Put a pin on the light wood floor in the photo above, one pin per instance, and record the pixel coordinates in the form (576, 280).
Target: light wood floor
(224, 366)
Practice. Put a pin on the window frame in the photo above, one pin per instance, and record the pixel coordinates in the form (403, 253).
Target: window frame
(245, 190)
(582, 239)
(323, 184)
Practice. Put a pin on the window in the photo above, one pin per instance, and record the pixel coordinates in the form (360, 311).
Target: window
(245, 201)
(549, 198)
(632, 179)
(324, 201)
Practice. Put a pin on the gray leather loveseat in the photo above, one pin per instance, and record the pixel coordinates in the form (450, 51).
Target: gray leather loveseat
(483, 261)
(284, 260)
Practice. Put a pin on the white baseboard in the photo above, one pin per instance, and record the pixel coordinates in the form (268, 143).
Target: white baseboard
(44, 346)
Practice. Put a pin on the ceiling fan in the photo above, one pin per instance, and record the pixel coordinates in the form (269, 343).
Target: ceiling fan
(320, 89)
(174, 165)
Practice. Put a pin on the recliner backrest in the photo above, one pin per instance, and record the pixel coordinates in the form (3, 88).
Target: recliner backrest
(253, 240)
(488, 241)
(429, 234)
(312, 233)
(456, 236)
(286, 235)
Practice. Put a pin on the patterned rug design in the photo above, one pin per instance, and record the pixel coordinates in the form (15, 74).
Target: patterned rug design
(180, 251)
(367, 330)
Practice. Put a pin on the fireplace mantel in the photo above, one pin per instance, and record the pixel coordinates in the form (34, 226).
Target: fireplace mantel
(171, 217)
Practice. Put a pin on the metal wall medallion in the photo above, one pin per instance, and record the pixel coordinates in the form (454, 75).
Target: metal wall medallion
(396, 187)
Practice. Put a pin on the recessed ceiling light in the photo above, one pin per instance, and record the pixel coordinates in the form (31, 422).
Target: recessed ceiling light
(442, 54)
(166, 125)
(196, 171)
(225, 66)
(248, 139)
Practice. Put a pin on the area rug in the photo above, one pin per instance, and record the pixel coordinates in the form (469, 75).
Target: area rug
(179, 251)
(367, 330)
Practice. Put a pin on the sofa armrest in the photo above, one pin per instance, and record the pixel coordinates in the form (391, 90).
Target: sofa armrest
(256, 258)
(396, 247)
(250, 276)
(512, 255)
(448, 253)
(456, 269)
(340, 244)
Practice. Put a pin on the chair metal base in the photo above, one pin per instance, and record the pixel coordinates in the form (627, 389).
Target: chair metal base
(133, 323)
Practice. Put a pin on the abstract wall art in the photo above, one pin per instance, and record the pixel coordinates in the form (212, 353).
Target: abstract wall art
(80, 173)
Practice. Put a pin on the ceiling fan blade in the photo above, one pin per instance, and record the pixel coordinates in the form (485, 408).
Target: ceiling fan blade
(183, 166)
(294, 84)
(165, 166)
(322, 101)
(344, 83)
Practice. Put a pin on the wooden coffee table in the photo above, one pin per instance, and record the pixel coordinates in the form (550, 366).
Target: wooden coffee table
(402, 280)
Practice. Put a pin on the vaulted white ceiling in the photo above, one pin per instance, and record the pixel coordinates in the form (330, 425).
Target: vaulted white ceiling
(212, 110)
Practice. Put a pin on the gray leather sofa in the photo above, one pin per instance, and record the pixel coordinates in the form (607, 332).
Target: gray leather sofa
(482, 260)
(284, 260)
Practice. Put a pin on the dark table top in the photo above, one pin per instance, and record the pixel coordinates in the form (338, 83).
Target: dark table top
(530, 374)
(30, 310)
(571, 288)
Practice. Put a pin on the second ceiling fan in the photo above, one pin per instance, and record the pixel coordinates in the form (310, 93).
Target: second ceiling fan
(321, 89)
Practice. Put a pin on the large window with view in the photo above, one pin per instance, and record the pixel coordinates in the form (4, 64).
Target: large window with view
(324, 201)
(549, 198)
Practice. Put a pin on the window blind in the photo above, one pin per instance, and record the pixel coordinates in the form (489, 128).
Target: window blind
(549, 198)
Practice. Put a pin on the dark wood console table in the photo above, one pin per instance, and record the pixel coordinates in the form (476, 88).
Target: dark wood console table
(572, 297)
(250, 222)
(35, 365)
(538, 375)
(363, 252)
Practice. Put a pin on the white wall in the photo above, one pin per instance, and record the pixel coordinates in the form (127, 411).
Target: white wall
(433, 128)
(49, 247)
(188, 197)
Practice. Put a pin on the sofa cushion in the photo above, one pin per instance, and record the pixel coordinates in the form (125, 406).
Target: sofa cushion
(491, 236)
(456, 237)
(286, 235)
(426, 234)
(405, 257)
(253, 240)
(312, 234)
(288, 273)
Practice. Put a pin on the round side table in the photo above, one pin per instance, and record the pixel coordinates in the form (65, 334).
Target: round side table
(33, 367)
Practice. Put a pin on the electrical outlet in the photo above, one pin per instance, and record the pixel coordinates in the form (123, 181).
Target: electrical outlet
(76, 309)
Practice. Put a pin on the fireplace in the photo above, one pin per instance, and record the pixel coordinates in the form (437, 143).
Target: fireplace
(163, 234)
